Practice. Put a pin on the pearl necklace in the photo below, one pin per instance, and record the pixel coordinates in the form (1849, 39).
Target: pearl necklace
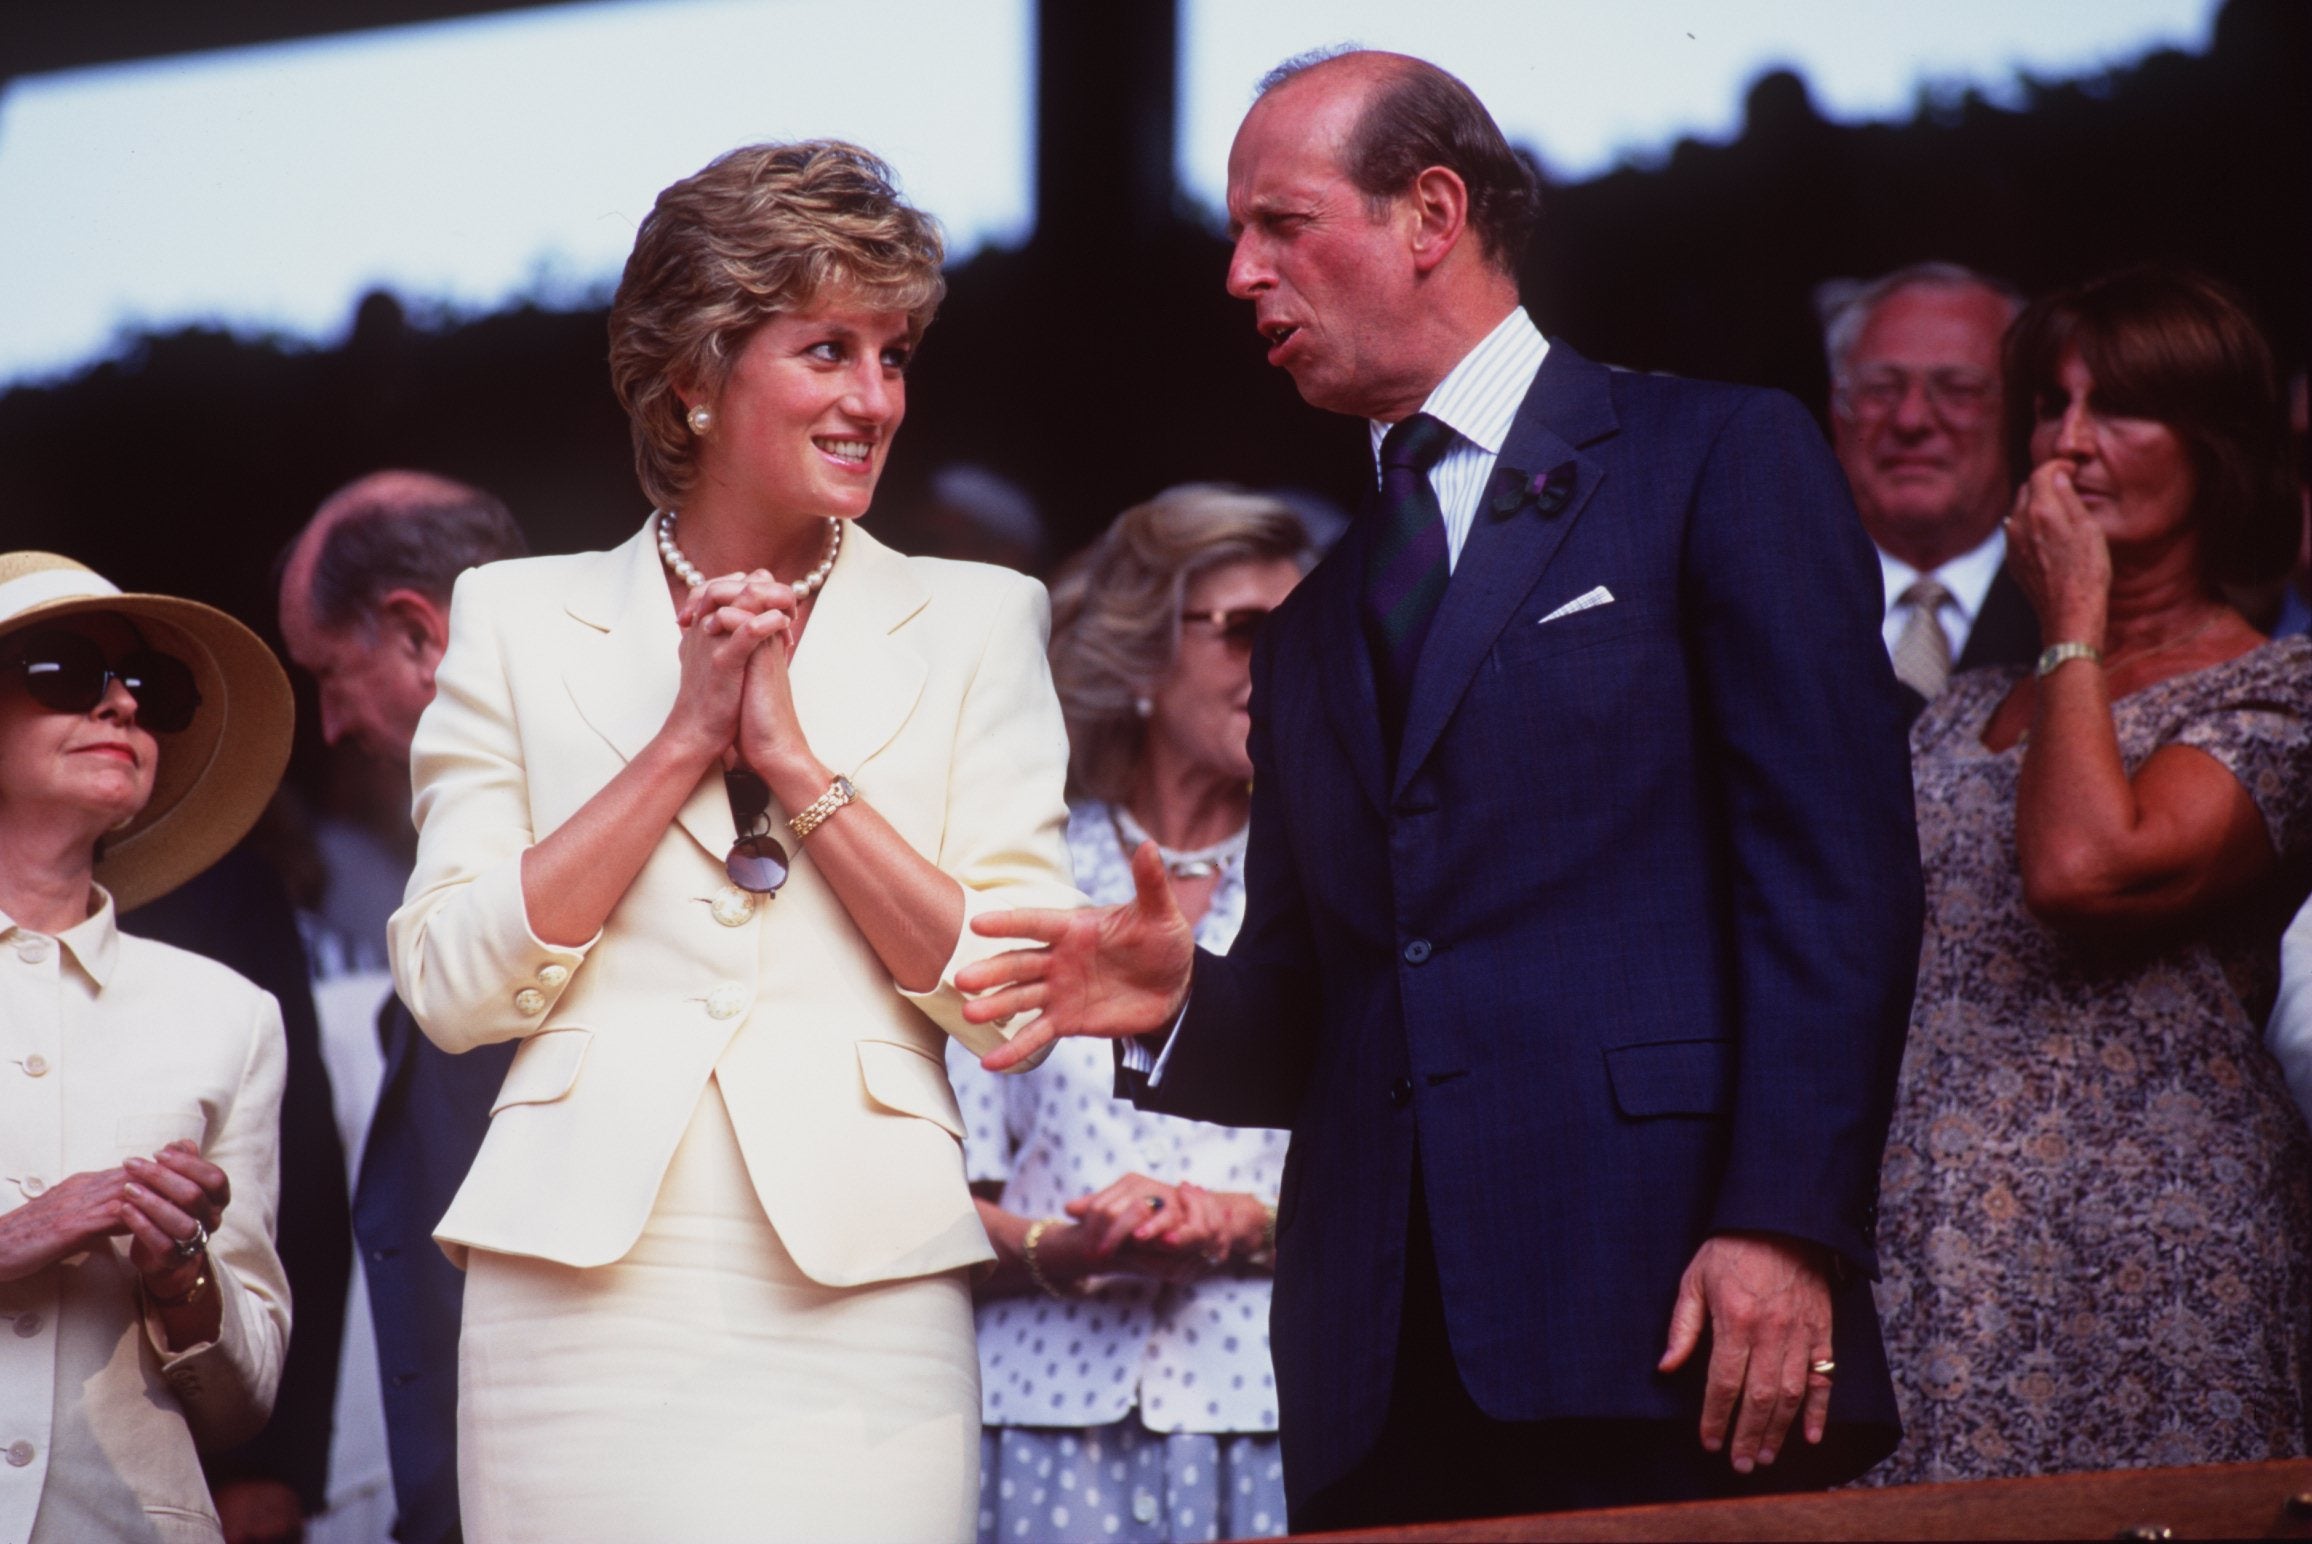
(684, 569)
(1202, 863)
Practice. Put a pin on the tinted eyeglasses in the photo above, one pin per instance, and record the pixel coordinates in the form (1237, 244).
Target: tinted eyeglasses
(1235, 628)
(66, 673)
(757, 862)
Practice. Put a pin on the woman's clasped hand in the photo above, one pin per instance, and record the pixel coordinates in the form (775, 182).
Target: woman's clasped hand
(1143, 1227)
(734, 694)
(154, 1202)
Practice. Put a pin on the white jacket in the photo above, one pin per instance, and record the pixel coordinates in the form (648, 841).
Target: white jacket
(922, 681)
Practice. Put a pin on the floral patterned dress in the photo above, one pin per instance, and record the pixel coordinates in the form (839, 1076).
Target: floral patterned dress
(2096, 1225)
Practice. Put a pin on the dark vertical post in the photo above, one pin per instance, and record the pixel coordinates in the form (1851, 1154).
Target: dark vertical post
(1106, 99)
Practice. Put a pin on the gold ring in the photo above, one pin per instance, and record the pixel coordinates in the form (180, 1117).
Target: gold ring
(1822, 1367)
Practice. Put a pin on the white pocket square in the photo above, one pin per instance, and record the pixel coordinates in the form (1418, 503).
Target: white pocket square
(1601, 596)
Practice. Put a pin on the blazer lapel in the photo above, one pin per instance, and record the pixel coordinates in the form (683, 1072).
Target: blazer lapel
(623, 672)
(1540, 486)
(1343, 661)
(854, 682)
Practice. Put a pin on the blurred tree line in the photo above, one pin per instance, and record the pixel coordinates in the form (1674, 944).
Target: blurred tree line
(1102, 361)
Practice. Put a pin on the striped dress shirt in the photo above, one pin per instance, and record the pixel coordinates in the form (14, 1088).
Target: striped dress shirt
(1478, 400)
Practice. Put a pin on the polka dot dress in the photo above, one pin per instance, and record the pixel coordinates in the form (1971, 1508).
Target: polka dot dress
(1138, 1411)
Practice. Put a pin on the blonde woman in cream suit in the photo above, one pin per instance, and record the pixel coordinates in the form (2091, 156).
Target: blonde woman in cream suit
(718, 1237)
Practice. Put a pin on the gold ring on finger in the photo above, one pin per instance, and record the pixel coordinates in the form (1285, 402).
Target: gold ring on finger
(1822, 1367)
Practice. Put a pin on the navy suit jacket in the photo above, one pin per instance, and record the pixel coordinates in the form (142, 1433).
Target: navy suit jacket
(432, 1109)
(1622, 938)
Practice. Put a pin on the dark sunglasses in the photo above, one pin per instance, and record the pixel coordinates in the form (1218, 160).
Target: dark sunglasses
(1234, 628)
(757, 862)
(66, 673)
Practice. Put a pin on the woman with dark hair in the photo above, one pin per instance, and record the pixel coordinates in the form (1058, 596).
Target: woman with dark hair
(1143, 1242)
(2097, 1197)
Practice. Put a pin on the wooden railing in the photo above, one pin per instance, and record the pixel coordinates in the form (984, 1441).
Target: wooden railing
(2221, 1501)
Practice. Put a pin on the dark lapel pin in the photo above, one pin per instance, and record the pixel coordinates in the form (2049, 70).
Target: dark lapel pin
(1507, 492)
(1552, 490)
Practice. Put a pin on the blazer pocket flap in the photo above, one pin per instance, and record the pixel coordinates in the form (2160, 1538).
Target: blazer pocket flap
(545, 1068)
(901, 1078)
(1672, 1077)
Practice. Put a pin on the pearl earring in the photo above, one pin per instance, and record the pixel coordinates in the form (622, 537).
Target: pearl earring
(701, 419)
(1144, 706)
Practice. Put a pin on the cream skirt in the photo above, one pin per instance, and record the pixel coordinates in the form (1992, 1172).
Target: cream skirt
(704, 1388)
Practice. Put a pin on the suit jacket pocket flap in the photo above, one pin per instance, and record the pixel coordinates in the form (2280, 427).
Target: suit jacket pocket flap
(901, 1078)
(545, 1068)
(1672, 1077)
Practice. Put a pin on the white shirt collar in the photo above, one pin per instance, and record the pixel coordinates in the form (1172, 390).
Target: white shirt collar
(1479, 397)
(93, 942)
(1966, 577)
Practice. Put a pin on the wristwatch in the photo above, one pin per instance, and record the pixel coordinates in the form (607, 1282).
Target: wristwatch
(2062, 653)
(814, 815)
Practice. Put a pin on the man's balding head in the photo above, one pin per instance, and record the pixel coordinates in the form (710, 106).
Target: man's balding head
(365, 593)
(1377, 215)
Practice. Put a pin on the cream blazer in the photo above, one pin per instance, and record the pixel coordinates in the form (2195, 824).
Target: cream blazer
(922, 681)
(113, 1046)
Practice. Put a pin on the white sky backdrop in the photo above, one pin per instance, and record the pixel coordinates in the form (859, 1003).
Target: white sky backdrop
(468, 164)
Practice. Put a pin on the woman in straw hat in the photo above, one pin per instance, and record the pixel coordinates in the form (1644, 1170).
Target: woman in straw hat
(143, 1310)
(701, 822)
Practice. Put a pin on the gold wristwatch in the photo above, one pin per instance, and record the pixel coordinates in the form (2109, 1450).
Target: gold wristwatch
(814, 815)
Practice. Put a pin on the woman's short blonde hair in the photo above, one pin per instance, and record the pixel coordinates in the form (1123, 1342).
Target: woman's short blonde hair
(762, 230)
(1116, 614)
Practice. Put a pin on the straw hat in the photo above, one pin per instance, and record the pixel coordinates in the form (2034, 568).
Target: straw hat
(216, 775)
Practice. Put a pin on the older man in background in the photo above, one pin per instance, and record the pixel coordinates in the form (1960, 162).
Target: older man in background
(1917, 421)
(365, 596)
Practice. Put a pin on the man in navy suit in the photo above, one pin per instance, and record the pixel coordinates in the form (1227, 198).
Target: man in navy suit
(365, 596)
(1583, 889)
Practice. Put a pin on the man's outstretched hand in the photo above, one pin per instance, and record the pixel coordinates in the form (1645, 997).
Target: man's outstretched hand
(1110, 971)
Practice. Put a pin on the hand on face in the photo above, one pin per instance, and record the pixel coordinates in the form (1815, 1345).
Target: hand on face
(2060, 557)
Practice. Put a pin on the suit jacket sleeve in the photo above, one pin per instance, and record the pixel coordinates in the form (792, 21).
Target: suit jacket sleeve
(1242, 1053)
(1801, 712)
(461, 944)
(225, 1386)
(1005, 837)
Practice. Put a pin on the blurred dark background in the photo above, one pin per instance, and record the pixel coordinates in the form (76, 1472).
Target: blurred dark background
(1102, 361)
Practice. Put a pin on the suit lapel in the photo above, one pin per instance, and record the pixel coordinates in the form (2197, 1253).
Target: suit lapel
(1343, 661)
(855, 683)
(623, 670)
(1540, 486)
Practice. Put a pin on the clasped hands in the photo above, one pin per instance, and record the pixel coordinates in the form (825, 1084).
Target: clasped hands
(1143, 1227)
(1118, 971)
(735, 699)
(153, 1202)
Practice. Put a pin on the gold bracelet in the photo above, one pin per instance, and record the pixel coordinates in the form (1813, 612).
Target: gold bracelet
(1028, 1253)
(1264, 1257)
(814, 815)
(2064, 653)
(191, 1295)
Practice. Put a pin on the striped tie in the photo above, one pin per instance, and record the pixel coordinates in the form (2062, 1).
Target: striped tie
(1405, 567)
(1922, 654)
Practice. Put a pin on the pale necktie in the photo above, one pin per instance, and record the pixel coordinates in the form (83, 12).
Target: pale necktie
(1923, 652)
